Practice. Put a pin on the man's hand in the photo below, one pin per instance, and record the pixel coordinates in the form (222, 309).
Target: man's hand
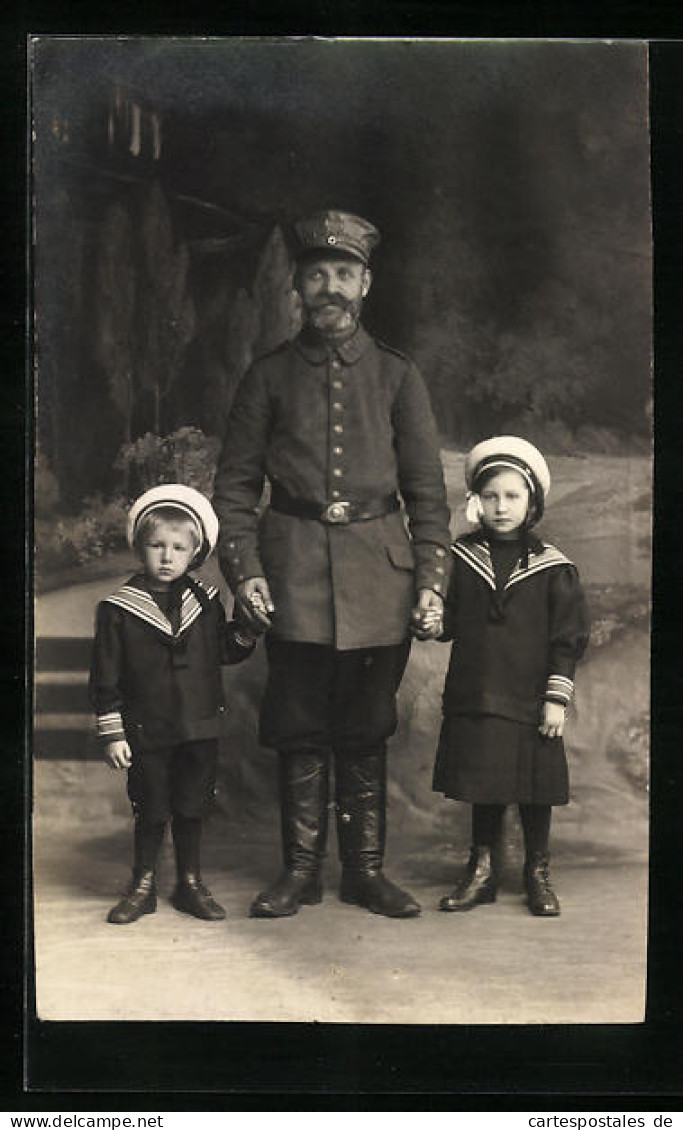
(552, 723)
(255, 604)
(426, 618)
(118, 755)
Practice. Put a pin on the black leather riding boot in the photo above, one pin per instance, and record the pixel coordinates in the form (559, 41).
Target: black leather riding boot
(478, 885)
(361, 831)
(304, 797)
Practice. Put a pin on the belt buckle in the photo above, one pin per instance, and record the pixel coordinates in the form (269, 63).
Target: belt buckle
(337, 513)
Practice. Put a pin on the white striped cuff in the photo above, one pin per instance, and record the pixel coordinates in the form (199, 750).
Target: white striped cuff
(109, 727)
(559, 689)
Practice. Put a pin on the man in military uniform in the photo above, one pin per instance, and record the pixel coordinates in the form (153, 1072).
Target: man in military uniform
(351, 551)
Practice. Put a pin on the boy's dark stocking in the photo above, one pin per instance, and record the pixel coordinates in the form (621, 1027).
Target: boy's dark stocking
(147, 838)
(479, 884)
(141, 896)
(190, 895)
(542, 900)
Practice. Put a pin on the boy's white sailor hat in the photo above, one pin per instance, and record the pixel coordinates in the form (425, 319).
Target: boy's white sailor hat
(186, 499)
(512, 454)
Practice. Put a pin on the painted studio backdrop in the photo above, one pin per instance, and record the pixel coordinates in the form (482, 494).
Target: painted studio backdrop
(510, 182)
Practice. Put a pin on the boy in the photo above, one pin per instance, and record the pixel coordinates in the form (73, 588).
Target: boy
(155, 684)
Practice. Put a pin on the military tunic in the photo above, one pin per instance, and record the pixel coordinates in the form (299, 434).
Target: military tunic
(346, 423)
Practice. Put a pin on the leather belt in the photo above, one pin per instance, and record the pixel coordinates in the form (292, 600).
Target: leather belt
(338, 513)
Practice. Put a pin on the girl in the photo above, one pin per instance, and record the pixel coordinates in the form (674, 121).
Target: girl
(517, 617)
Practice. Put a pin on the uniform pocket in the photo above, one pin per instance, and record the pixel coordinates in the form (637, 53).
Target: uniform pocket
(401, 556)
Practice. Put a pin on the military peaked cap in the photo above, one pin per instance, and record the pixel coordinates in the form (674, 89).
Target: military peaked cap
(336, 232)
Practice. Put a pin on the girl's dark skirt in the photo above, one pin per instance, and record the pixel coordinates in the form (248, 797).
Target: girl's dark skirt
(483, 759)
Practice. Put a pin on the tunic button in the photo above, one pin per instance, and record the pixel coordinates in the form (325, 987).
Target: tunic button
(337, 450)
(337, 473)
(338, 428)
(338, 407)
(440, 552)
(337, 384)
(439, 569)
(346, 818)
(336, 364)
(335, 494)
(438, 586)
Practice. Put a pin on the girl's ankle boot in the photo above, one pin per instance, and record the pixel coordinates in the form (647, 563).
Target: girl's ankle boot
(541, 898)
(478, 885)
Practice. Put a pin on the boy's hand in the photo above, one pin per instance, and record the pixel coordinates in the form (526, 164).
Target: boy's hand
(254, 604)
(118, 755)
(426, 619)
(552, 723)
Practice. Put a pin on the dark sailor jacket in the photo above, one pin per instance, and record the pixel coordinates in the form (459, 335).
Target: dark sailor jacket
(324, 425)
(155, 685)
(513, 649)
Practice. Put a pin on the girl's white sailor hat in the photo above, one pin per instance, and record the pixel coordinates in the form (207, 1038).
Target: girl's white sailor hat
(512, 454)
(186, 499)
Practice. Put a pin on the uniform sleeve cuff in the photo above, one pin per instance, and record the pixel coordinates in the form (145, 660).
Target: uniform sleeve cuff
(559, 689)
(109, 727)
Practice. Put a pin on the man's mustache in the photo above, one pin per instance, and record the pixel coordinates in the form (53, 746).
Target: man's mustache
(333, 300)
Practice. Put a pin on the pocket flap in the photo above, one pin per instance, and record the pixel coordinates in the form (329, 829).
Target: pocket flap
(401, 556)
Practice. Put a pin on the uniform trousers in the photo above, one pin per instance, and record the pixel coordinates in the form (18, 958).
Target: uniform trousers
(317, 697)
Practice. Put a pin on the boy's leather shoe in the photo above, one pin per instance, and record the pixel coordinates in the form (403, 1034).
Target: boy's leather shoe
(292, 890)
(375, 892)
(478, 886)
(192, 897)
(139, 899)
(541, 898)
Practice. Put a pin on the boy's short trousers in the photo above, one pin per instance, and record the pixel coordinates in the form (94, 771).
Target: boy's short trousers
(178, 780)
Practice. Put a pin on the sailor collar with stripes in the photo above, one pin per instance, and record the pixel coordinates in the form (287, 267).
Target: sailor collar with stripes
(134, 597)
(474, 550)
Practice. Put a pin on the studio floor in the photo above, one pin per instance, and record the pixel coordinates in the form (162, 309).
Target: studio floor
(331, 963)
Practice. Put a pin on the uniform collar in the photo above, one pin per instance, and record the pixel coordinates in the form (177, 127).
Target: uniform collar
(316, 351)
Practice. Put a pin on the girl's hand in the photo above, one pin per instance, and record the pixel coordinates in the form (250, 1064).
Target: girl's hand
(426, 619)
(552, 724)
(118, 755)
